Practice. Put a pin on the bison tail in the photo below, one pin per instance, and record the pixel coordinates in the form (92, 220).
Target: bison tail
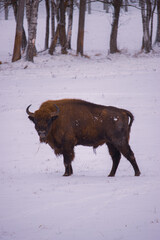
(130, 121)
(130, 115)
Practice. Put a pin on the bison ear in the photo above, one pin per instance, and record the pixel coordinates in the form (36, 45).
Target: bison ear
(31, 118)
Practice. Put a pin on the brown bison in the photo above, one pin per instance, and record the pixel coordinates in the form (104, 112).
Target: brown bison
(63, 124)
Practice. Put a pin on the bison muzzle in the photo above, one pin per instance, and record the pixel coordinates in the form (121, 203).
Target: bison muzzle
(64, 124)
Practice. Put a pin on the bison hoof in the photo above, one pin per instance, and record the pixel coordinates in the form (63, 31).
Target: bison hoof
(111, 175)
(68, 171)
(137, 174)
(66, 175)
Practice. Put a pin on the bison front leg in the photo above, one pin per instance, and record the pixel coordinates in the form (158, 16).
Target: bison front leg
(68, 158)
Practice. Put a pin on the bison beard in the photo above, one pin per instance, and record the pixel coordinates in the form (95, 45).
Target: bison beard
(63, 124)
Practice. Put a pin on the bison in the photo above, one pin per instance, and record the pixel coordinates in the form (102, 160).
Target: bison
(66, 123)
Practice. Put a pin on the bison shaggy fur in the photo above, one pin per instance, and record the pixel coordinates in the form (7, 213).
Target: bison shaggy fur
(66, 123)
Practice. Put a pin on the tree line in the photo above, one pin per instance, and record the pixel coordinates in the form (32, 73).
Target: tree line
(60, 33)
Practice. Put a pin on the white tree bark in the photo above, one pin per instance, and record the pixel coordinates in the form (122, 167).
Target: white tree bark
(147, 11)
(158, 24)
(32, 16)
(70, 21)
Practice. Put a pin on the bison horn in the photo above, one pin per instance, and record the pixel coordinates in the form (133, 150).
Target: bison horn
(28, 112)
(53, 114)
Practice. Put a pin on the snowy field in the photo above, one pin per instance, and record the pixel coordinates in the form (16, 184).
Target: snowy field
(36, 202)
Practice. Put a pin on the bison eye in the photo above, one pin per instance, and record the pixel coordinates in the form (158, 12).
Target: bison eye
(48, 122)
(51, 120)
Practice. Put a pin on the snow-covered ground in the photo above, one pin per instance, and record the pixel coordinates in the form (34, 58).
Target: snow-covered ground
(36, 202)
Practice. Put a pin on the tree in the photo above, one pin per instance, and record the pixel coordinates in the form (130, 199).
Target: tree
(147, 11)
(54, 41)
(6, 9)
(62, 25)
(89, 6)
(106, 5)
(19, 31)
(60, 31)
(80, 38)
(52, 19)
(114, 31)
(47, 2)
(70, 22)
(157, 41)
(32, 15)
(126, 5)
(15, 10)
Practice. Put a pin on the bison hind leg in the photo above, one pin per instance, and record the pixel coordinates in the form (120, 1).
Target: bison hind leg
(116, 156)
(128, 153)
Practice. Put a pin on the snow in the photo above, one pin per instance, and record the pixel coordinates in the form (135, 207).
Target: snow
(36, 202)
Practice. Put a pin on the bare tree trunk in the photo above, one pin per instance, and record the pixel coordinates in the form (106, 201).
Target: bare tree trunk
(153, 4)
(24, 39)
(58, 16)
(107, 5)
(52, 19)
(54, 41)
(15, 7)
(32, 15)
(89, 6)
(157, 41)
(19, 31)
(126, 5)
(114, 32)
(145, 22)
(80, 39)
(6, 9)
(147, 11)
(47, 24)
(62, 30)
(70, 22)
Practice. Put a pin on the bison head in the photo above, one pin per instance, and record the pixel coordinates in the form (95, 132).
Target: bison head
(43, 119)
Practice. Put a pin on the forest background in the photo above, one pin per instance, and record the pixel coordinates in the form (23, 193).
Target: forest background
(57, 31)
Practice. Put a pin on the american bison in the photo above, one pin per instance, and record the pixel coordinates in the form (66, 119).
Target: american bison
(66, 123)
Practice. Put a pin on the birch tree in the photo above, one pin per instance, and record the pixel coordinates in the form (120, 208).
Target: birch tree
(47, 3)
(89, 6)
(106, 5)
(125, 3)
(55, 34)
(147, 11)
(70, 22)
(62, 26)
(32, 15)
(60, 30)
(157, 41)
(6, 9)
(52, 20)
